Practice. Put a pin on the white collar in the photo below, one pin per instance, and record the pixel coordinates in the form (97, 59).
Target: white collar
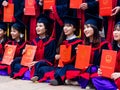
(118, 45)
(42, 37)
(1, 40)
(71, 37)
(18, 40)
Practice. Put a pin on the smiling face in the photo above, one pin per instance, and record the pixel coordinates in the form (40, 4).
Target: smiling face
(40, 29)
(68, 29)
(2, 33)
(116, 33)
(15, 33)
(88, 30)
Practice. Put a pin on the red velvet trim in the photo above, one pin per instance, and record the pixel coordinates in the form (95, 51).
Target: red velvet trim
(32, 72)
(1, 49)
(80, 14)
(117, 82)
(48, 62)
(40, 50)
(73, 43)
(71, 74)
(117, 68)
(57, 16)
(111, 23)
(33, 28)
(3, 66)
(85, 75)
(21, 72)
(93, 75)
(10, 1)
(63, 78)
(9, 70)
(47, 75)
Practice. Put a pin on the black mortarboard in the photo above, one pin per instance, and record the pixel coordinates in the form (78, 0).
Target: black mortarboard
(118, 23)
(94, 20)
(3, 25)
(71, 20)
(19, 26)
(44, 19)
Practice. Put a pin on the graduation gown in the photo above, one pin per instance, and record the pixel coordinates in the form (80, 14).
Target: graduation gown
(91, 71)
(109, 84)
(43, 53)
(60, 72)
(44, 67)
(20, 45)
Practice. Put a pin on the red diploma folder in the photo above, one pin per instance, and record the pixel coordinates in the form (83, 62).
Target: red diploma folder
(29, 7)
(9, 54)
(65, 54)
(75, 4)
(108, 61)
(48, 3)
(8, 13)
(28, 56)
(83, 56)
(105, 7)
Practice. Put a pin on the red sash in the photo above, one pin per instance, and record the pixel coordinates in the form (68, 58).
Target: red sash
(80, 14)
(111, 23)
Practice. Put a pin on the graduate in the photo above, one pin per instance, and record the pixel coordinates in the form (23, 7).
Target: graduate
(44, 53)
(16, 39)
(60, 9)
(112, 83)
(70, 30)
(42, 66)
(91, 30)
(3, 38)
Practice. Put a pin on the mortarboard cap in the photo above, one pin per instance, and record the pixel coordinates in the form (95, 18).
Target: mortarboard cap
(3, 25)
(44, 19)
(19, 26)
(71, 20)
(118, 23)
(94, 20)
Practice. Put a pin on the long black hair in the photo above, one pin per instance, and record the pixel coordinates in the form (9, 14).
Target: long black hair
(96, 37)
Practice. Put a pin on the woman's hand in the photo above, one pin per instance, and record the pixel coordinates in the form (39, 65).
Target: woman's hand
(4, 3)
(99, 72)
(84, 6)
(57, 56)
(115, 10)
(32, 64)
(115, 76)
(23, 52)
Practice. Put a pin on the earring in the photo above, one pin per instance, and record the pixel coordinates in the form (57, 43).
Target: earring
(21, 35)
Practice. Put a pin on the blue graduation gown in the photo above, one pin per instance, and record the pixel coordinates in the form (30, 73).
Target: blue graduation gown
(61, 72)
(91, 71)
(18, 7)
(44, 67)
(93, 7)
(106, 83)
(20, 46)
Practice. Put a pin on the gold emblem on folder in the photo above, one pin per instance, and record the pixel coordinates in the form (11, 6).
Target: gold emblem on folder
(108, 58)
(105, 2)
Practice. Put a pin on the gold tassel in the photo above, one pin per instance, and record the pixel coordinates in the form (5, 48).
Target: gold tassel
(8, 30)
(25, 34)
(79, 34)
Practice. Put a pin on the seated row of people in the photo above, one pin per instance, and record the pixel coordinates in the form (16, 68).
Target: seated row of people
(43, 68)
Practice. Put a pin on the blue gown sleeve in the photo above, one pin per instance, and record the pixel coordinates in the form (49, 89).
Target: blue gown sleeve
(50, 51)
(93, 7)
